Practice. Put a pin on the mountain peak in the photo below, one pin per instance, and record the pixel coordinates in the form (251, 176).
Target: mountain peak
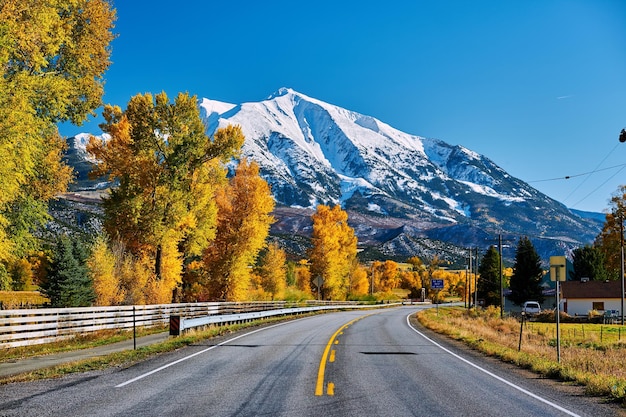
(282, 91)
(312, 152)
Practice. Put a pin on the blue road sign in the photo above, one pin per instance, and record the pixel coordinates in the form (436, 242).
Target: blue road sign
(436, 284)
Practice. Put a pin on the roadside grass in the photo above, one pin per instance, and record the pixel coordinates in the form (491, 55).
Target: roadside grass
(594, 361)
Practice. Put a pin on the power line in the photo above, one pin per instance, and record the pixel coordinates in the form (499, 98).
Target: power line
(597, 167)
(597, 188)
(567, 177)
(587, 175)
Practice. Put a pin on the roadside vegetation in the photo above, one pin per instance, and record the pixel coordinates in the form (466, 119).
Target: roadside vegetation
(592, 355)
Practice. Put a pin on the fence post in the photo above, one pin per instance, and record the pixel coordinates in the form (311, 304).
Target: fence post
(134, 330)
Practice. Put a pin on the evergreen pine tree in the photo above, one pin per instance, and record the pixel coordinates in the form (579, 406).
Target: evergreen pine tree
(489, 281)
(527, 273)
(69, 283)
(588, 262)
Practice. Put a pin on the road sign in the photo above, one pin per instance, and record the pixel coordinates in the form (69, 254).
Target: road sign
(318, 281)
(557, 268)
(436, 284)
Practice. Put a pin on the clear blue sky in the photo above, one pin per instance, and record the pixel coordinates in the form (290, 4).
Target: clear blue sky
(538, 86)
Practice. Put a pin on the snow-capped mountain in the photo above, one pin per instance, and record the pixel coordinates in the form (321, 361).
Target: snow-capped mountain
(312, 152)
(403, 192)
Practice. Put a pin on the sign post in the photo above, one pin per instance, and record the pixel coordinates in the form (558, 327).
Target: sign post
(436, 284)
(318, 281)
(558, 274)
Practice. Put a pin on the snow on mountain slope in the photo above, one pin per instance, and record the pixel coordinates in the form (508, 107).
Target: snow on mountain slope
(312, 152)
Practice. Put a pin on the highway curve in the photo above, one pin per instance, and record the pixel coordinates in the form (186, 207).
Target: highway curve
(352, 363)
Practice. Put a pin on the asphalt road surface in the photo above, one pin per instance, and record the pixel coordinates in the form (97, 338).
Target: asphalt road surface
(353, 363)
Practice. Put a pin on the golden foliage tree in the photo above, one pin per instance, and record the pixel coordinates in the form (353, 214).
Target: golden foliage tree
(359, 283)
(244, 220)
(163, 210)
(53, 55)
(106, 283)
(385, 275)
(412, 281)
(333, 252)
(303, 276)
(273, 272)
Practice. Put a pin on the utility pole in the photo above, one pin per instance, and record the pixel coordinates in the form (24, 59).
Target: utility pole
(472, 296)
(467, 290)
(501, 278)
(621, 264)
(476, 277)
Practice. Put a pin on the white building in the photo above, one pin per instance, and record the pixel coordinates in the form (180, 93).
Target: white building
(580, 297)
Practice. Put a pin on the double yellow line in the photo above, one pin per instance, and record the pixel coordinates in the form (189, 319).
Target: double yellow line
(329, 356)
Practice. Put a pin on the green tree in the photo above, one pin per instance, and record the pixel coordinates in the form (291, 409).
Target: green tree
(489, 280)
(53, 55)
(588, 262)
(69, 282)
(527, 273)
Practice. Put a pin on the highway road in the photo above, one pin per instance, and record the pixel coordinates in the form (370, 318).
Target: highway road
(352, 363)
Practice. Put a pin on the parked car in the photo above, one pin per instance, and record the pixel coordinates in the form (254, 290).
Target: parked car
(531, 307)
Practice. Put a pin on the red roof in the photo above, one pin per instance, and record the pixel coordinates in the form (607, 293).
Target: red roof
(591, 289)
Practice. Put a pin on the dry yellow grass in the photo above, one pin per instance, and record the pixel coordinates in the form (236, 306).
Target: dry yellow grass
(21, 299)
(598, 365)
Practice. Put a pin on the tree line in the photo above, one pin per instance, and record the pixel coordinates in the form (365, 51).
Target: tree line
(182, 222)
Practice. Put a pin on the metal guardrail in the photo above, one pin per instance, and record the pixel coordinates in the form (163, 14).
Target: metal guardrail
(179, 324)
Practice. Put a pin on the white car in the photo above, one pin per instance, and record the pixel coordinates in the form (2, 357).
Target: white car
(531, 307)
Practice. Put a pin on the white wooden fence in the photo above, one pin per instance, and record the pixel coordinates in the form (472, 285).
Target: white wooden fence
(35, 326)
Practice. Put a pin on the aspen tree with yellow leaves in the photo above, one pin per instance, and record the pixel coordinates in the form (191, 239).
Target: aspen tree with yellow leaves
(273, 272)
(243, 223)
(359, 284)
(303, 276)
(385, 275)
(333, 252)
(168, 170)
(106, 283)
(53, 55)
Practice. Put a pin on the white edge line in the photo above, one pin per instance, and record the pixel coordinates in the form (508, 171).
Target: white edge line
(154, 371)
(535, 396)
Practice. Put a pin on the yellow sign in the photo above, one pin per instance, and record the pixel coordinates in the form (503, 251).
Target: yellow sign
(558, 271)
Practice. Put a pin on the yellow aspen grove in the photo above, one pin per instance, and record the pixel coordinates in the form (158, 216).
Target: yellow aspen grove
(333, 252)
(163, 210)
(243, 224)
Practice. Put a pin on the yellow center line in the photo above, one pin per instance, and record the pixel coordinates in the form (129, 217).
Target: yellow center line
(319, 387)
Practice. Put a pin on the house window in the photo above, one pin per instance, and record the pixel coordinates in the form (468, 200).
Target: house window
(598, 305)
